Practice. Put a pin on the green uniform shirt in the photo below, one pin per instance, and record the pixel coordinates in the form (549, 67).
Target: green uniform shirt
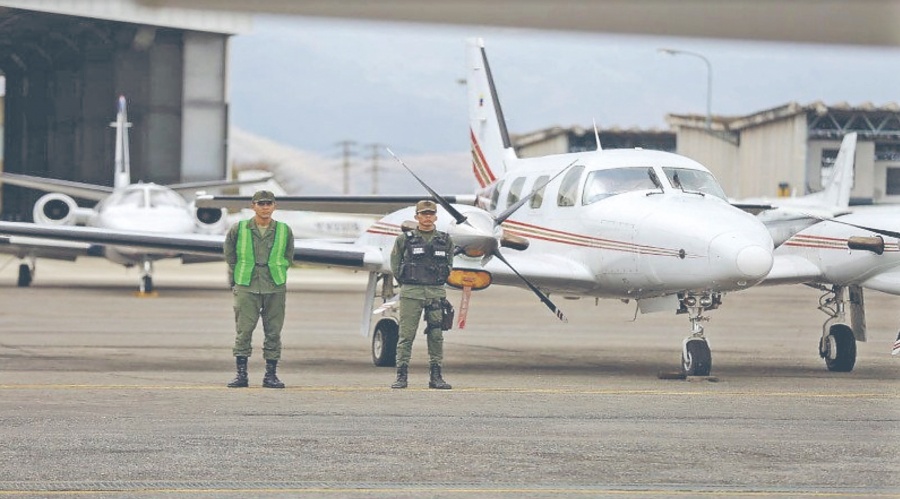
(261, 280)
(417, 291)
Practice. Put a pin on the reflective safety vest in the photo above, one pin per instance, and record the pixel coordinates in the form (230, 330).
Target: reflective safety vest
(246, 260)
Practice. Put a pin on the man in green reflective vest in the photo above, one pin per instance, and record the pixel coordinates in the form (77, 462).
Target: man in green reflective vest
(259, 252)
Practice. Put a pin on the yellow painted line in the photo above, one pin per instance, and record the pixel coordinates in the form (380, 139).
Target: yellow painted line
(375, 389)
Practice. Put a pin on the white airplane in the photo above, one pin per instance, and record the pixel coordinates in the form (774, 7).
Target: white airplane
(342, 227)
(645, 225)
(842, 257)
(784, 217)
(145, 207)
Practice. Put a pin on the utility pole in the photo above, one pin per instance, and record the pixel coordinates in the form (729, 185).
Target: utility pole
(375, 149)
(346, 152)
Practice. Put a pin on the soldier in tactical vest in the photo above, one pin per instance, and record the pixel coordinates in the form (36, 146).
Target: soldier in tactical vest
(421, 261)
(259, 252)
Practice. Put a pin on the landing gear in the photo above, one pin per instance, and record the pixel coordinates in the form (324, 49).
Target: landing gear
(26, 274)
(696, 358)
(147, 278)
(384, 343)
(838, 343)
(838, 348)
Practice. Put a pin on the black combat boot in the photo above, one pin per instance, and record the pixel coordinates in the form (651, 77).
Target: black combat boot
(436, 380)
(401, 377)
(241, 380)
(271, 380)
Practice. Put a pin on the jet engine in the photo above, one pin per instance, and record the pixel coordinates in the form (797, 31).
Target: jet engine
(56, 209)
(210, 220)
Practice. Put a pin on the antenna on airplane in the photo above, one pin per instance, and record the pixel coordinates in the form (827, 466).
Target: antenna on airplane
(597, 135)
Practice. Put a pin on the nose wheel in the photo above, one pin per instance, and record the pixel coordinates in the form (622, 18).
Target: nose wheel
(696, 357)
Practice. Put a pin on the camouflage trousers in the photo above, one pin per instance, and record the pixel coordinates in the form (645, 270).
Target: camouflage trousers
(410, 312)
(248, 308)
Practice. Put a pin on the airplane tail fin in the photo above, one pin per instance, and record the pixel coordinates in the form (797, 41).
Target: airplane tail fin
(123, 159)
(836, 193)
(491, 147)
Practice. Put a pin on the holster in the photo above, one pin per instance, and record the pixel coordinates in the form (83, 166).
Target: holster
(447, 314)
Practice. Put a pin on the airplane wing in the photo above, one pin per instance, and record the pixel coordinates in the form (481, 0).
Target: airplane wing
(555, 272)
(792, 269)
(305, 251)
(373, 204)
(188, 189)
(22, 247)
(886, 282)
(75, 189)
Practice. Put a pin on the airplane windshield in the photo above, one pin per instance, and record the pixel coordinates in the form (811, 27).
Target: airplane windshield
(165, 197)
(602, 184)
(694, 181)
(130, 197)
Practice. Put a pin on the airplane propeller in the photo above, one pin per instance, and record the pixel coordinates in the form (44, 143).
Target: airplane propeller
(482, 241)
(883, 232)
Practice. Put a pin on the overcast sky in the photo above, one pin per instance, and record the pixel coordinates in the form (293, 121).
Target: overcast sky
(313, 83)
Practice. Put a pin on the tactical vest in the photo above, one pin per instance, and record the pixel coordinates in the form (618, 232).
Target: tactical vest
(425, 262)
(246, 260)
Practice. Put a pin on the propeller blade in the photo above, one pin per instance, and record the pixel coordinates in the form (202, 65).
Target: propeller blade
(553, 308)
(883, 232)
(518, 204)
(459, 217)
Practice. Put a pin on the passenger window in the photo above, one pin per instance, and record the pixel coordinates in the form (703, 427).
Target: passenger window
(538, 197)
(568, 188)
(495, 196)
(515, 191)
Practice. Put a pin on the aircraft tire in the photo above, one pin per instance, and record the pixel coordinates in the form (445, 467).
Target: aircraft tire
(146, 284)
(384, 343)
(842, 343)
(699, 359)
(24, 276)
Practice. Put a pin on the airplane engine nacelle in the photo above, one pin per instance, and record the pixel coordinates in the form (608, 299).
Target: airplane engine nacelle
(56, 209)
(210, 220)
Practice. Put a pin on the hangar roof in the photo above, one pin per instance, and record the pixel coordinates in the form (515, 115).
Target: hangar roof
(132, 11)
(876, 117)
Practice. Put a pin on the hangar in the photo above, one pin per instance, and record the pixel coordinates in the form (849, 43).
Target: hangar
(786, 150)
(66, 62)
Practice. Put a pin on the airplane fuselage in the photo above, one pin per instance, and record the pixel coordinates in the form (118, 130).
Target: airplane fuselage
(616, 224)
(826, 245)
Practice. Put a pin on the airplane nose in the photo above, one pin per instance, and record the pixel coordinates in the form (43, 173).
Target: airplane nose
(745, 257)
(754, 262)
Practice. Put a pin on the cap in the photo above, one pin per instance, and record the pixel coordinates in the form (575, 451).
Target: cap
(263, 196)
(425, 205)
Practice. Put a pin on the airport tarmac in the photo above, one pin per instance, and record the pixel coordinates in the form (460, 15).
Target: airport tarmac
(106, 394)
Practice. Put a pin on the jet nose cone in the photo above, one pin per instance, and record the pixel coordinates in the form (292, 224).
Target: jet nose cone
(754, 262)
(740, 257)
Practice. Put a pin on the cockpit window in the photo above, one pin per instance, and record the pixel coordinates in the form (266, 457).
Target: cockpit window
(602, 184)
(568, 188)
(165, 197)
(694, 181)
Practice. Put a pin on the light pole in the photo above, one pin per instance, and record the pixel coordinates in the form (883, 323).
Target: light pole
(708, 79)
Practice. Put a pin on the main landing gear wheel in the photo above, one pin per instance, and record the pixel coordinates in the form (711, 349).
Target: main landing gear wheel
(384, 343)
(25, 275)
(839, 349)
(696, 359)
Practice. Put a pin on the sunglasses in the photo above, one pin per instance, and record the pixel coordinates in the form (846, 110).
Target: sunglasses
(264, 203)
